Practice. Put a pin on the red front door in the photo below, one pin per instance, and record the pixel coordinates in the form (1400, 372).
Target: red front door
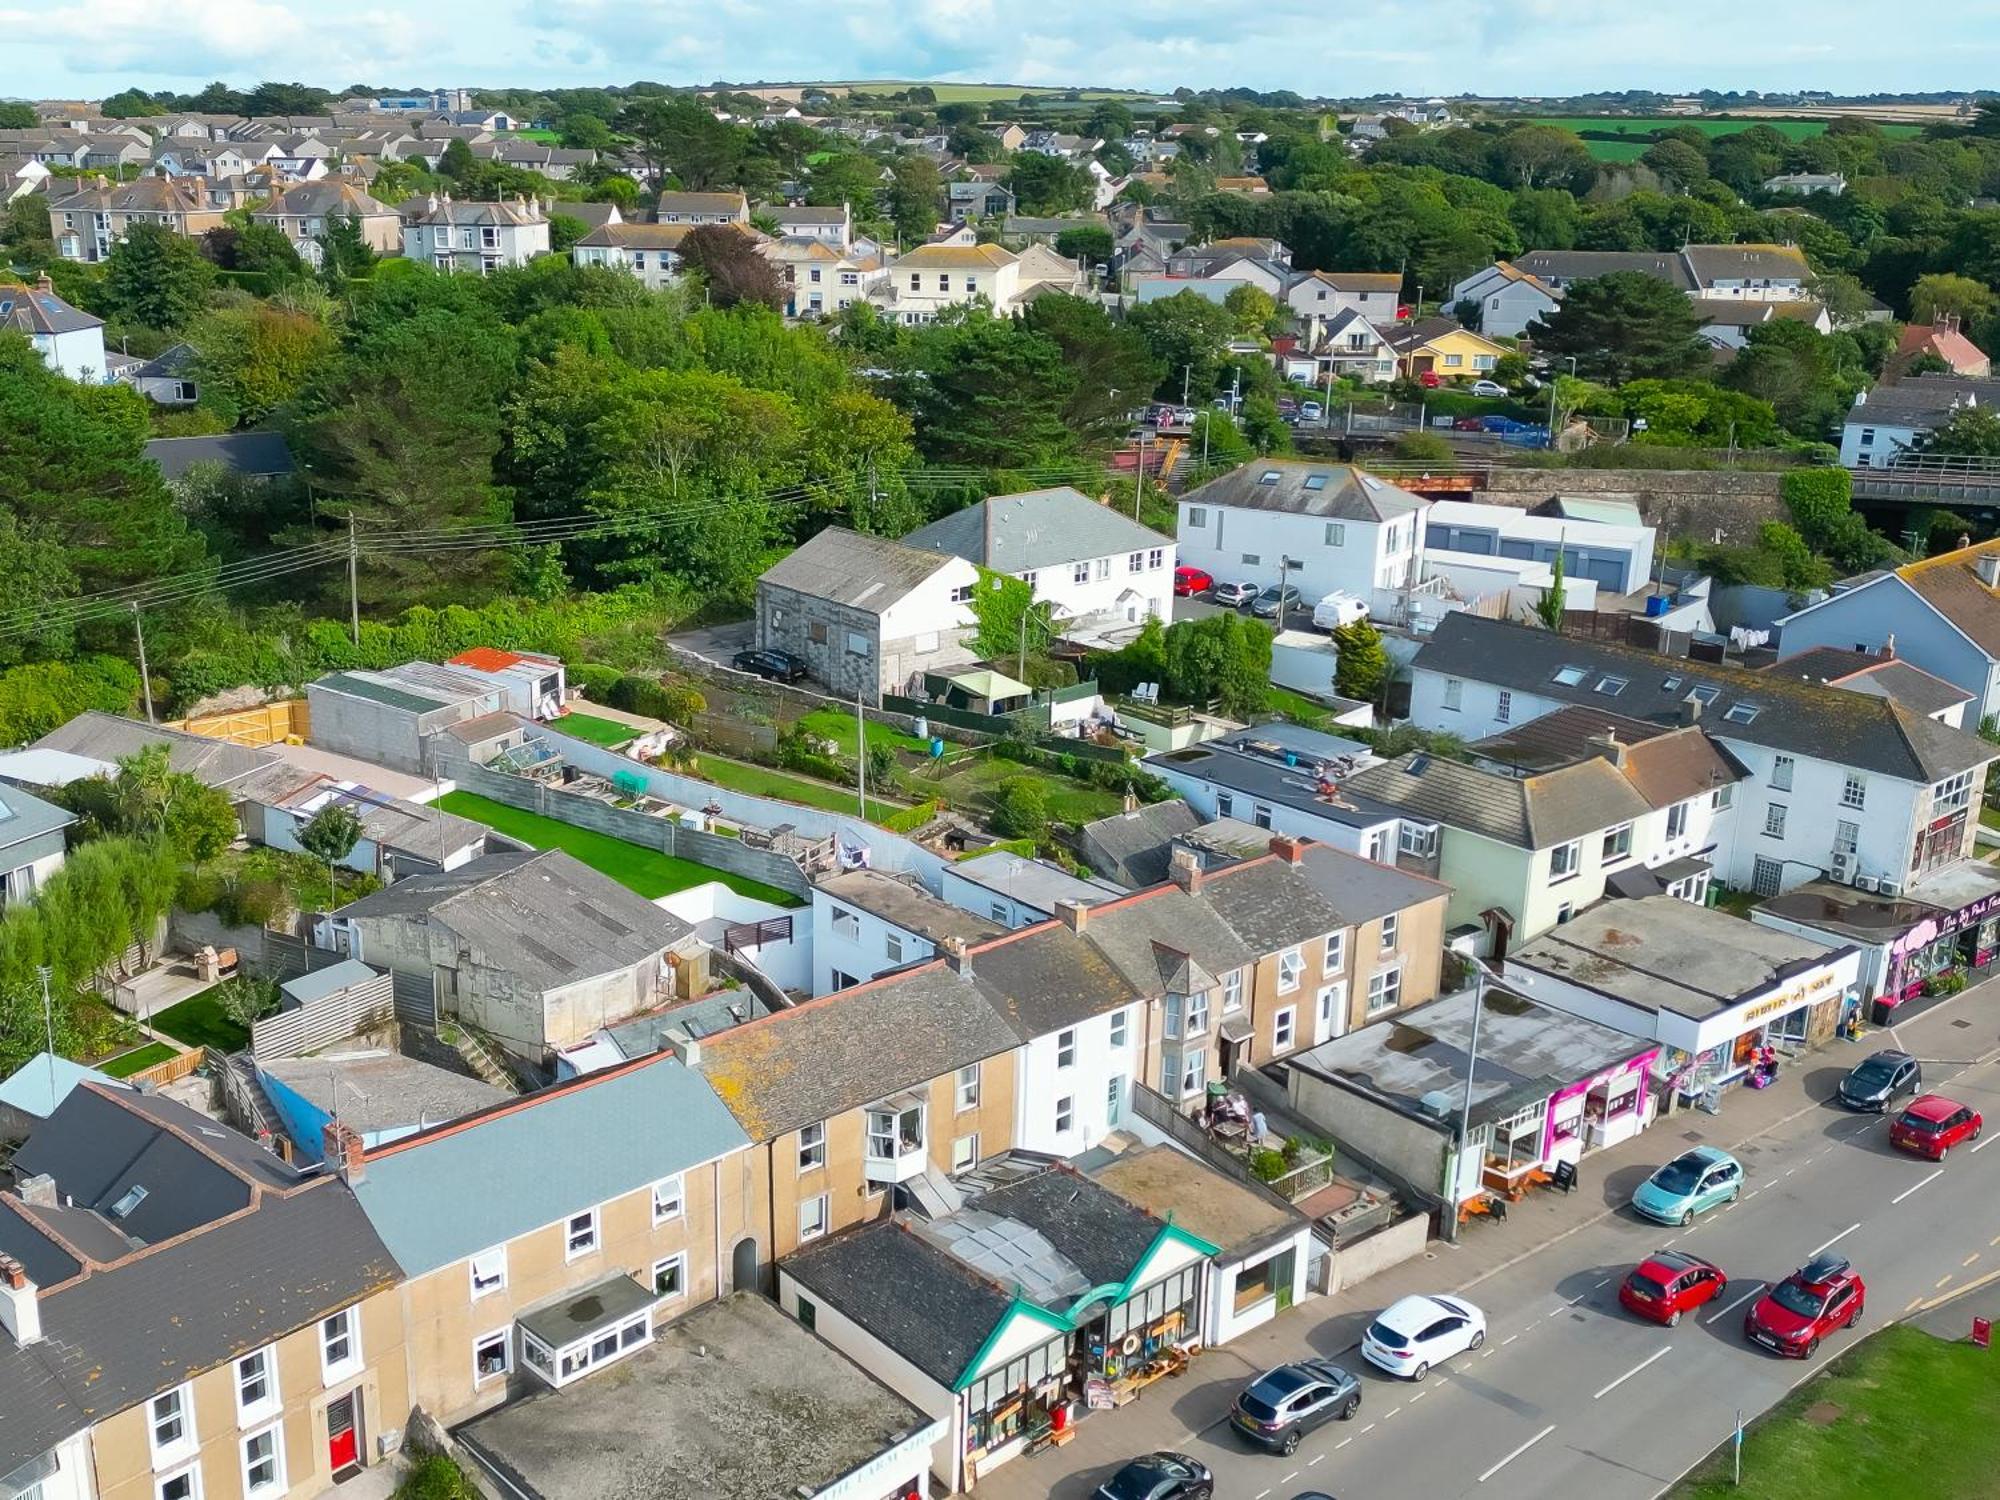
(343, 1437)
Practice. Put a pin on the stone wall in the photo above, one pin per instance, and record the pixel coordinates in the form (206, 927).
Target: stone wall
(1681, 503)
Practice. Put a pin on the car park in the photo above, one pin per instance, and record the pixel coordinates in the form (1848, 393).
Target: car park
(1488, 388)
(1668, 1284)
(1413, 1334)
(771, 664)
(1274, 599)
(1692, 1183)
(1823, 1296)
(1876, 1082)
(1191, 581)
(1159, 1476)
(1278, 1408)
(1931, 1125)
(1234, 594)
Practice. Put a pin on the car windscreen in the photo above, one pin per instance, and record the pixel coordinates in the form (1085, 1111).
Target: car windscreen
(1678, 1176)
(1795, 1298)
(1386, 1336)
(1922, 1126)
(1873, 1074)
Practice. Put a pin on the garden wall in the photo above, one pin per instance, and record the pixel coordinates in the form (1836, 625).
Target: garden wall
(1693, 503)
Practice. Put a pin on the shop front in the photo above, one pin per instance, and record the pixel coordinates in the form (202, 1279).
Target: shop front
(1700, 1057)
(1601, 1111)
(1019, 1400)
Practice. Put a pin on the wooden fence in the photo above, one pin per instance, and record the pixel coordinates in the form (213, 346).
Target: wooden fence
(267, 724)
(174, 1068)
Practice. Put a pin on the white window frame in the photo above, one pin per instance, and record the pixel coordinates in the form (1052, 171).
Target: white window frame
(473, 1277)
(965, 1089)
(1418, 840)
(677, 1263)
(1781, 772)
(892, 947)
(1334, 959)
(250, 1413)
(812, 1147)
(1385, 990)
(1195, 1015)
(1503, 707)
(1232, 992)
(1678, 818)
(1065, 1113)
(1285, 1029)
(1120, 1027)
(480, 1341)
(331, 1370)
(184, 1444)
(1197, 517)
(1391, 930)
(577, 1243)
(1454, 694)
(669, 1198)
(191, 1472)
(821, 1207)
(1616, 844)
(965, 1152)
(1291, 969)
(275, 1485)
(1854, 791)
(1566, 860)
(1066, 1048)
(1774, 820)
(846, 924)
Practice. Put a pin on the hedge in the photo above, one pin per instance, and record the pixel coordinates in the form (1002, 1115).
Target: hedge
(36, 698)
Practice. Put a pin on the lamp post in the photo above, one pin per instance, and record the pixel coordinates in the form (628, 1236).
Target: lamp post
(1480, 974)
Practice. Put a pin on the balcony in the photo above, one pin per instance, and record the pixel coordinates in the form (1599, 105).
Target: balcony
(895, 1151)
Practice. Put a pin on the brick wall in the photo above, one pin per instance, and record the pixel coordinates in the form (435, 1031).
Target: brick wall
(1693, 503)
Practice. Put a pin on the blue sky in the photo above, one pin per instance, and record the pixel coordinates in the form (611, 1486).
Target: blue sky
(93, 47)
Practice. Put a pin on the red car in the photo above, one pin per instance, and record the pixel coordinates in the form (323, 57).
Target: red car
(1932, 1124)
(1821, 1297)
(1663, 1286)
(1192, 581)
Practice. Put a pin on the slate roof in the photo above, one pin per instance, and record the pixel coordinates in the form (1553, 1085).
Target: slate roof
(850, 1048)
(916, 1298)
(446, 210)
(1950, 586)
(1799, 718)
(1529, 812)
(1579, 265)
(1708, 264)
(1363, 889)
(545, 916)
(1135, 847)
(1334, 491)
(701, 203)
(1922, 401)
(24, 816)
(1558, 738)
(457, 1189)
(1407, 337)
(257, 454)
(109, 738)
(37, 310)
(1035, 529)
(1887, 677)
(868, 573)
(1100, 1233)
(331, 195)
(1043, 978)
(906, 905)
(1147, 936)
(955, 258)
(1268, 904)
(239, 1250)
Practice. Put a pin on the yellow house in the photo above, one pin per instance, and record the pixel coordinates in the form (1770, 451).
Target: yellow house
(1438, 346)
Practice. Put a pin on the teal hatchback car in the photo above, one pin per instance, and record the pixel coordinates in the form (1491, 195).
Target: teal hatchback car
(1691, 1183)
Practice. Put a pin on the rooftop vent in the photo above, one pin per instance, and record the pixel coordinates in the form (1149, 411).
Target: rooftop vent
(128, 1201)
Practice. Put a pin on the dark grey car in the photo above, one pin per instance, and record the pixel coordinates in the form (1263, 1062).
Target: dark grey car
(1878, 1081)
(1281, 1406)
(1274, 598)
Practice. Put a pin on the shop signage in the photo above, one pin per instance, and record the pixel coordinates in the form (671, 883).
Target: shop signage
(1931, 929)
(1097, 1394)
(1801, 993)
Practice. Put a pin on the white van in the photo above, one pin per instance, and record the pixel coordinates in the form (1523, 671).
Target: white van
(1339, 608)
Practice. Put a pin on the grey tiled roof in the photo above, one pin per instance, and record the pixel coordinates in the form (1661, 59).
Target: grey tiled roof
(254, 453)
(1268, 904)
(33, 310)
(1343, 492)
(1099, 1232)
(1922, 400)
(1362, 889)
(1533, 812)
(1580, 265)
(23, 816)
(1044, 978)
(110, 738)
(1799, 718)
(907, 905)
(1035, 529)
(1134, 847)
(862, 572)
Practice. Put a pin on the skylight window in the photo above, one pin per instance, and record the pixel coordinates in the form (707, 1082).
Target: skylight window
(1269, 476)
(1671, 683)
(128, 1201)
(1742, 713)
(1611, 687)
(1704, 693)
(1315, 481)
(1570, 676)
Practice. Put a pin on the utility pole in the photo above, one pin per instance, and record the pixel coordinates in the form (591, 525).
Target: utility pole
(1479, 973)
(353, 582)
(1139, 477)
(145, 678)
(1187, 372)
(48, 1025)
(860, 754)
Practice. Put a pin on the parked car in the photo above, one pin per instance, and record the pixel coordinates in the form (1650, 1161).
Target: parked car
(1159, 1476)
(1234, 595)
(1311, 411)
(1430, 380)
(1877, 1081)
(1821, 1297)
(1503, 425)
(771, 664)
(1487, 388)
(1274, 598)
(1279, 1407)
(1468, 424)
(1190, 581)
(1665, 1285)
(1932, 1124)
(1415, 1333)
(1691, 1183)
(1339, 608)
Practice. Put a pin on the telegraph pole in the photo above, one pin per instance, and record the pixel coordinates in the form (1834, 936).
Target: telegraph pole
(353, 582)
(145, 678)
(1139, 477)
(860, 753)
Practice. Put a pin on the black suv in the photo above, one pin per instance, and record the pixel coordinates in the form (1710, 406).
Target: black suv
(1877, 1082)
(1281, 1406)
(777, 666)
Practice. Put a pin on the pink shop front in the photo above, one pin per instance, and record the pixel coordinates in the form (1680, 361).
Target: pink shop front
(1576, 1119)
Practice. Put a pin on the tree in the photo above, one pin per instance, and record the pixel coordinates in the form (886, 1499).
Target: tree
(564, 231)
(1623, 326)
(156, 278)
(15, 115)
(1554, 599)
(1224, 658)
(1186, 333)
(1676, 162)
(343, 252)
(586, 133)
(1264, 425)
(1809, 378)
(1047, 185)
(994, 395)
(260, 247)
(1973, 431)
(1947, 294)
(251, 360)
(247, 998)
(731, 267)
(145, 798)
(1534, 156)
(330, 835)
(914, 197)
(1004, 622)
(1361, 663)
(1021, 809)
(1109, 363)
(1091, 243)
(457, 162)
(681, 135)
(1252, 307)
(851, 178)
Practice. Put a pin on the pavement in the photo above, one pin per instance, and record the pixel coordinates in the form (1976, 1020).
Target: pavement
(1570, 1395)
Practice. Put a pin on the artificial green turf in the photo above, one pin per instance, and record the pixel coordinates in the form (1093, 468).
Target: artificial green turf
(646, 871)
(761, 781)
(1911, 1415)
(198, 1021)
(593, 730)
(136, 1061)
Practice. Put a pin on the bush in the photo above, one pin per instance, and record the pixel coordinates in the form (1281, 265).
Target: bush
(436, 1477)
(595, 679)
(1021, 809)
(1267, 1165)
(910, 819)
(1945, 982)
(1425, 448)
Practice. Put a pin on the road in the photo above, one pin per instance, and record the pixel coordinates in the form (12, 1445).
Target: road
(1571, 1396)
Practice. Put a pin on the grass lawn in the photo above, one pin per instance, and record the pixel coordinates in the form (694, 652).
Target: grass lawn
(588, 727)
(1797, 130)
(838, 726)
(973, 784)
(762, 781)
(646, 871)
(198, 1021)
(982, 93)
(546, 137)
(1989, 815)
(1300, 708)
(1900, 1402)
(137, 1060)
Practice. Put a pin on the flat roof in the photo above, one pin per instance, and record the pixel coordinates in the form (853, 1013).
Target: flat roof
(907, 905)
(582, 1313)
(1172, 1186)
(1034, 881)
(1255, 763)
(734, 1401)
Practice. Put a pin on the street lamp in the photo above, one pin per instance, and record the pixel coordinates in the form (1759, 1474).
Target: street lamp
(1480, 974)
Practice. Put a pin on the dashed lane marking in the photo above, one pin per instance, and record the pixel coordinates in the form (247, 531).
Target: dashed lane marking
(1717, 1317)
(1836, 1239)
(1320, 1460)
(1661, 1353)
(1517, 1453)
(1913, 1187)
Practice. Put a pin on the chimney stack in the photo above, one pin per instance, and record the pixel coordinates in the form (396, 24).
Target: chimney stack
(1889, 647)
(20, 1303)
(1987, 566)
(1292, 851)
(956, 958)
(683, 1044)
(38, 1191)
(342, 1150)
(1609, 746)
(1184, 870)
(1073, 914)
(1690, 709)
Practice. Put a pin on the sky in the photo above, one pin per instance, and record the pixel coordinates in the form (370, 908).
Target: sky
(89, 48)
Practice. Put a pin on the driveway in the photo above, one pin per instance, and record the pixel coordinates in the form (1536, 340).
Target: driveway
(717, 643)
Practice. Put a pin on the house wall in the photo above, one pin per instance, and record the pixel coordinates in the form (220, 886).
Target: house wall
(920, 634)
(1234, 543)
(1097, 1084)
(1211, 801)
(1874, 445)
(1618, 558)
(1484, 873)
(1418, 950)
(1507, 310)
(1887, 820)
(279, 828)
(1865, 618)
(1224, 1322)
(382, 733)
(78, 354)
(862, 956)
(1411, 1150)
(28, 864)
(983, 900)
(1312, 297)
(122, 1453)
(445, 1321)
(1109, 580)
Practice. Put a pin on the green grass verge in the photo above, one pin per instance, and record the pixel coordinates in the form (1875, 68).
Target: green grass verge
(198, 1021)
(137, 1060)
(646, 871)
(1990, 816)
(762, 781)
(588, 727)
(1900, 1402)
(837, 725)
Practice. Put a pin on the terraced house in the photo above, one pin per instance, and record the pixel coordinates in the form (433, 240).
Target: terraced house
(90, 218)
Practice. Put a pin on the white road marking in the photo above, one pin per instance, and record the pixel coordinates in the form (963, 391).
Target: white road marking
(1984, 1144)
(1915, 1303)
(1262, 1494)
(1289, 1477)
(1339, 1445)
(1751, 1194)
(1660, 1353)
(1605, 1282)
(1517, 1453)
(1836, 1239)
(1320, 1460)
(1911, 1189)
(1368, 1429)
(1941, 1281)
(1720, 1315)
(1418, 1397)
(1508, 1340)
(1970, 1259)
(1391, 1412)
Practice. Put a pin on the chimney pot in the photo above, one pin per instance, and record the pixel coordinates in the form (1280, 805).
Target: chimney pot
(1690, 709)
(955, 957)
(20, 1304)
(1073, 914)
(1609, 746)
(1184, 869)
(343, 1151)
